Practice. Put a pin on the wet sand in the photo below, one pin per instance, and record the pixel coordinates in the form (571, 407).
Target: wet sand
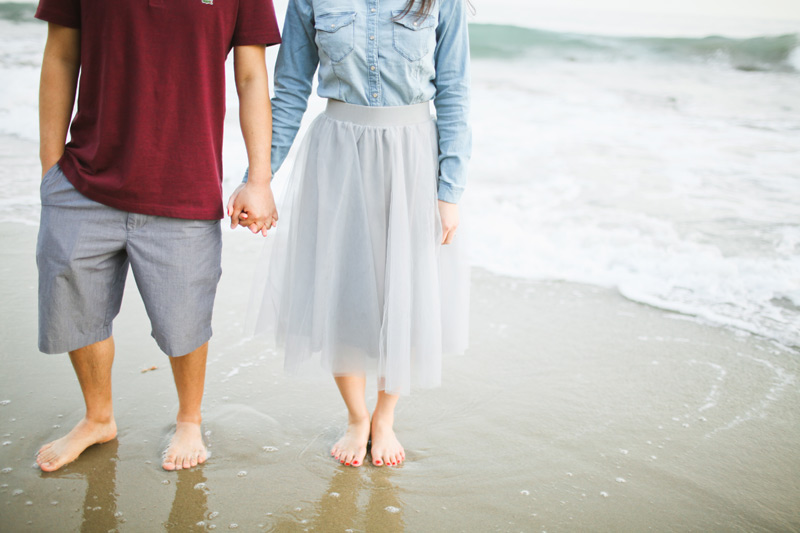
(573, 410)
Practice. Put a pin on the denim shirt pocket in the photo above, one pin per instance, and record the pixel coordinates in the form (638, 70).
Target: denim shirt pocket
(336, 34)
(413, 37)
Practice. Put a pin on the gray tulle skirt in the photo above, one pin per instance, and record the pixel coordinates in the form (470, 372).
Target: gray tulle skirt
(356, 280)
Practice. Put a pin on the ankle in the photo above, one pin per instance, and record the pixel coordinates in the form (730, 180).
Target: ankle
(194, 418)
(99, 419)
(357, 419)
(383, 420)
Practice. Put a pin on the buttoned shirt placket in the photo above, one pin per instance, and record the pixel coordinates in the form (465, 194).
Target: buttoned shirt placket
(373, 75)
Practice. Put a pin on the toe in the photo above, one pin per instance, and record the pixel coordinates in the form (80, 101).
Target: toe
(169, 463)
(48, 467)
(48, 461)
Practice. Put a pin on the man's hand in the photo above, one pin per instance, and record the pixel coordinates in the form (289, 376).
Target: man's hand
(449, 215)
(252, 206)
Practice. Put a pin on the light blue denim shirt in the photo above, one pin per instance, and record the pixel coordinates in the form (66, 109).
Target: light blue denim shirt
(367, 55)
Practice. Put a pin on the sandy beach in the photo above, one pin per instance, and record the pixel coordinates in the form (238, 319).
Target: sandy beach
(573, 410)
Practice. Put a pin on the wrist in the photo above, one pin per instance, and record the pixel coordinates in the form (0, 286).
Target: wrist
(259, 176)
(258, 181)
(48, 158)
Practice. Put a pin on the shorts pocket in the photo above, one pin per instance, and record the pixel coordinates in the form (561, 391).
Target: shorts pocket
(336, 34)
(45, 185)
(413, 37)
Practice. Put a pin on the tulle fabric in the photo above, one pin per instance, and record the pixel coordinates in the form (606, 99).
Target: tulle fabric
(357, 281)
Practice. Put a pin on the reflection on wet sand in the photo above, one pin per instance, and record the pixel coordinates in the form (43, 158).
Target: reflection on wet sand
(190, 506)
(98, 466)
(342, 507)
(384, 508)
(100, 504)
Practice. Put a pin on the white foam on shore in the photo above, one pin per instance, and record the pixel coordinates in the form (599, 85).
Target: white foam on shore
(677, 186)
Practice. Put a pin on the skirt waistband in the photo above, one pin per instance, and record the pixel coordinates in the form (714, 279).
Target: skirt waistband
(404, 115)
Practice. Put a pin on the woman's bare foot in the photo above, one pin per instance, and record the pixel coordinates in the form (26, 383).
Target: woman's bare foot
(56, 454)
(352, 448)
(386, 449)
(186, 449)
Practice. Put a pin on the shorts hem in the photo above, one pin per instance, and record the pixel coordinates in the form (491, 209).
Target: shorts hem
(75, 343)
(178, 349)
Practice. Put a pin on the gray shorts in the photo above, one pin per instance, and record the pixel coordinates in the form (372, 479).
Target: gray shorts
(83, 254)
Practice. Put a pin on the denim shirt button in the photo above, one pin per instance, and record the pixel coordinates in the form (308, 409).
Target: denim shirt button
(374, 95)
(372, 10)
(372, 67)
(371, 37)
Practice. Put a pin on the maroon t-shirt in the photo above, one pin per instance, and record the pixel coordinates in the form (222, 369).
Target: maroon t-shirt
(147, 137)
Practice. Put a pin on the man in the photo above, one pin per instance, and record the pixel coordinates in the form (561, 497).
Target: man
(139, 184)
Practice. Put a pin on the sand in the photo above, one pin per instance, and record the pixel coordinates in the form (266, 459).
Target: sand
(573, 410)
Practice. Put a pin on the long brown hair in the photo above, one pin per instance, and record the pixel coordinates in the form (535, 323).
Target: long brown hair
(424, 8)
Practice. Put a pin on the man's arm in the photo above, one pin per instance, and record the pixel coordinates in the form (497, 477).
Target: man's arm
(60, 67)
(252, 204)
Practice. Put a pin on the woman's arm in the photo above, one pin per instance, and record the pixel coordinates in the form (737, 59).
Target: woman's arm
(294, 72)
(60, 66)
(452, 98)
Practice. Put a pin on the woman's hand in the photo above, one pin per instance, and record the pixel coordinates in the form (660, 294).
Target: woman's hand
(449, 215)
(252, 205)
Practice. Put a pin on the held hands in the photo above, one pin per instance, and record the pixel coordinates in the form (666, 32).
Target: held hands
(252, 206)
(449, 215)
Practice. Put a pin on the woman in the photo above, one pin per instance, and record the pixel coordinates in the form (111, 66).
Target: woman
(359, 277)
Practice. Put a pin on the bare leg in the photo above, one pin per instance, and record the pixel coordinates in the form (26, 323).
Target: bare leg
(352, 448)
(187, 448)
(92, 365)
(386, 449)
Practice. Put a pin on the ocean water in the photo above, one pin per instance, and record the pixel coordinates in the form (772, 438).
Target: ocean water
(664, 165)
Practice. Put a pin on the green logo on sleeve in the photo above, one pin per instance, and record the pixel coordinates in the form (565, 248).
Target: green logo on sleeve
(209, 2)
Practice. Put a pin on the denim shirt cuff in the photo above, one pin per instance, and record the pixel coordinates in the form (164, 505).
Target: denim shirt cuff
(450, 193)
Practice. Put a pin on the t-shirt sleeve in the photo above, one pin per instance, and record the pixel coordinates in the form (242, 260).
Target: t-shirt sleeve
(61, 12)
(256, 24)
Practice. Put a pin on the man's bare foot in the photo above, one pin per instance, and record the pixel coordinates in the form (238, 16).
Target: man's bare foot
(186, 449)
(386, 449)
(56, 454)
(352, 448)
